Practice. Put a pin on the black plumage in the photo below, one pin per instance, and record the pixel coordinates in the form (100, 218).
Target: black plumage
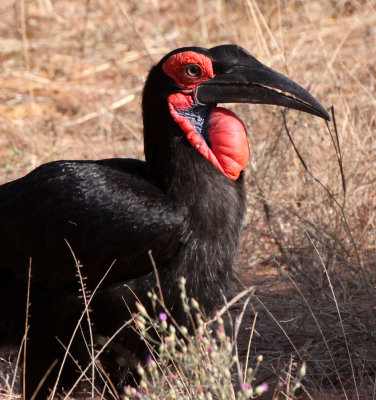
(178, 204)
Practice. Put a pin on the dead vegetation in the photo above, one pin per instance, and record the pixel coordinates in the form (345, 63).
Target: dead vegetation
(71, 75)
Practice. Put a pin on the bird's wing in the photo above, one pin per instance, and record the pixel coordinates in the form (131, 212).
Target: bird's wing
(105, 210)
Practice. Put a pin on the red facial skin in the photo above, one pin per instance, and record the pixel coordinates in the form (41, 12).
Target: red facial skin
(229, 150)
(174, 68)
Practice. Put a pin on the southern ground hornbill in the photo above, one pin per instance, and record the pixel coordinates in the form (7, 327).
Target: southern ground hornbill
(185, 203)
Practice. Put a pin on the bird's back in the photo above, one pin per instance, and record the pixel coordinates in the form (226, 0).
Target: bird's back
(104, 210)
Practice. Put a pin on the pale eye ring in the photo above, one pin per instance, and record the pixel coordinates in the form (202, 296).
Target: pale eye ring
(193, 70)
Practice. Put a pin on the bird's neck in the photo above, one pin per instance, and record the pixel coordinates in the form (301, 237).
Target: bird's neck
(214, 205)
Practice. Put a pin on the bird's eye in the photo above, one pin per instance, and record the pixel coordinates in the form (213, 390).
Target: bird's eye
(193, 70)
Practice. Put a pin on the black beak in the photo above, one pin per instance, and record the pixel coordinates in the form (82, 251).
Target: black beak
(253, 82)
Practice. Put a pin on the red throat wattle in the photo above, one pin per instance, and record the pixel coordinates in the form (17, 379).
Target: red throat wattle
(229, 151)
(228, 148)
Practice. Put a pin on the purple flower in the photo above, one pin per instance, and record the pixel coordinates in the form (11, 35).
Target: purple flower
(163, 316)
(172, 376)
(137, 395)
(150, 359)
(261, 388)
(245, 386)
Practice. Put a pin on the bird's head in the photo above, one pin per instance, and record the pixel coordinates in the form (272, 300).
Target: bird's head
(190, 81)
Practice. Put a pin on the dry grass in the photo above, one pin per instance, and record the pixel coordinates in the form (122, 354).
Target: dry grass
(71, 78)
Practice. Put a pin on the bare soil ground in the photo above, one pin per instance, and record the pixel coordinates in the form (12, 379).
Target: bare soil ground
(71, 75)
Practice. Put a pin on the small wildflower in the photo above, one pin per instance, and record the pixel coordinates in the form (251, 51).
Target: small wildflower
(195, 304)
(143, 384)
(170, 340)
(141, 309)
(137, 395)
(296, 387)
(184, 330)
(221, 335)
(264, 387)
(172, 377)
(162, 316)
(226, 372)
(303, 371)
(140, 325)
(150, 359)
(200, 331)
(183, 281)
(246, 389)
(140, 370)
(219, 319)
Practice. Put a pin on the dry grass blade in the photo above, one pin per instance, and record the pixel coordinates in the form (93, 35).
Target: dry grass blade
(93, 361)
(337, 148)
(320, 329)
(84, 313)
(233, 301)
(26, 329)
(43, 379)
(249, 347)
(329, 193)
(340, 320)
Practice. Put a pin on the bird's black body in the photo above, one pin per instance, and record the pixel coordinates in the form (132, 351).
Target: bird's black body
(183, 204)
(90, 204)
